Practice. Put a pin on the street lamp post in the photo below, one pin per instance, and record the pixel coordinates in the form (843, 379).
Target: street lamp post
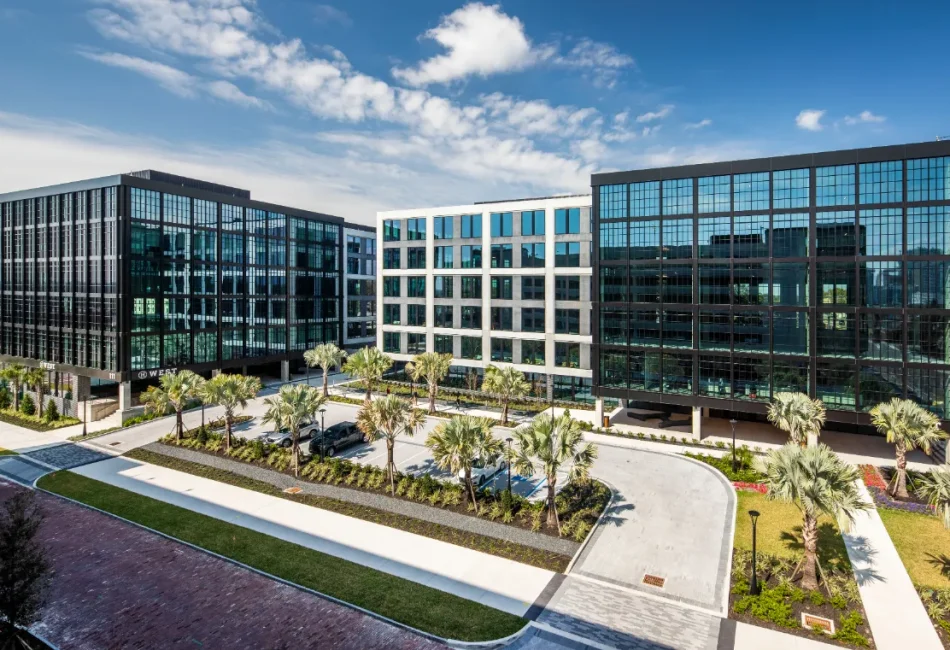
(322, 433)
(754, 584)
(84, 419)
(508, 440)
(733, 423)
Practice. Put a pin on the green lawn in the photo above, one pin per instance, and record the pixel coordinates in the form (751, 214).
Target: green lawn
(410, 603)
(778, 531)
(923, 544)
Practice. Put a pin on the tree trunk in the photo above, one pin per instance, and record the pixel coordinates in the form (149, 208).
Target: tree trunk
(432, 391)
(326, 389)
(178, 423)
(471, 488)
(391, 464)
(227, 431)
(39, 395)
(504, 413)
(16, 396)
(369, 394)
(810, 541)
(295, 450)
(552, 506)
(898, 486)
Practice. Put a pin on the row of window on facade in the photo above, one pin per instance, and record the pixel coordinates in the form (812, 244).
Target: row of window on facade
(79, 312)
(157, 277)
(838, 233)
(87, 205)
(94, 275)
(502, 256)
(566, 355)
(530, 319)
(80, 239)
(185, 314)
(529, 223)
(878, 336)
(844, 386)
(170, 350)
(149, 205)
(841, 284)
(88, 350)
(875, 183)
(566, 287)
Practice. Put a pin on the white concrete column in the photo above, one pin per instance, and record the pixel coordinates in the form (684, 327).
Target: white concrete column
(80, 391)
(697, 423)
(599, 411)
(285, 371)
(125, 395)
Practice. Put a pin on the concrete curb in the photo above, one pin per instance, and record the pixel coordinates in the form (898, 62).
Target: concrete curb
(487, 645)
(590, 533)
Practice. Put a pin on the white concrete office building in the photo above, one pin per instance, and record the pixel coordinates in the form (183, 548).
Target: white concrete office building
(502, 283)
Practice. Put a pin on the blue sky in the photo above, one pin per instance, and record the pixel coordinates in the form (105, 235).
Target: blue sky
(363, 105)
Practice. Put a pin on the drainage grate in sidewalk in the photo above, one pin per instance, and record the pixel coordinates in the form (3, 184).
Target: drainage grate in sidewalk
(654, 581)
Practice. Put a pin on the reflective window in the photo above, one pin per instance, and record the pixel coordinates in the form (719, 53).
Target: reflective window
(790, 376)
(927, 284)
(928, 179)
(834, 185)
(391, 257)
(678, 196)
(678, 283)
(471, 257)
(928, 338)
(750, 284)
(790, 235)
(677, 372)
(145, 205)
(881, 232)
(644, 240)
(715, 194)
(790, 189)
(532, 287)
(835, 234)
(677, 239)
(751, 191)
(532, 255)
(391, 287)
(443, 343)
(416, 315)
(391, 230)
(645, 283)
(714, 237)
(613, 240)
(566, 287)
(677, 329)
(715, 330)
(567, 221)
(501, 224)
(750, 331)
(417, 286)
(471, 347)
(471, 287)
(444, 258)
(501, 350)
(879, 384)
(471, 317)
(613, 284)
(471, 226)
(751, 379)
(714, 284)
(930, 387)
(391, 314)
(501, 287)
(882, 182)
(836, 334)
(566, 321)
(882, 336)
(613, 201)
(416, 258)
(442, 227)
(501, 319)
(567, 355)
(834, 384)
(836, 283)
(928, 231)
(613, 369)
(501, 256)
(613, 326)
(416, 229)
(442, 286)
(532, 353)
(645, 199)
(790, 333)
(645, 327)
(567, 254)
(882, 284)
(532, 223)
(715, 376)
(790, 284)
(750, 235)
(391, 342)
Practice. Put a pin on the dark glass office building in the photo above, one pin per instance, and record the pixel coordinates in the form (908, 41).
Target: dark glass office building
(718, 285)
(126, 277)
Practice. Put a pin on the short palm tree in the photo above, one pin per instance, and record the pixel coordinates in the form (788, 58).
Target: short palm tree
(293, 408)
(800, 416)
(389, 417)
(554, 443)
(326, 356)
(36, 377)
(173, 391)
(907, 426)
(818, 483)
(935, 487)
(456, 444)
(368, 365)
(230, 392)
(430, 367)
(508, 383)
(14, 373)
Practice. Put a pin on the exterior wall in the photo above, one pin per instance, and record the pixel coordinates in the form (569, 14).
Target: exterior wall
(718, 285)
(359, 287)
(429, 330)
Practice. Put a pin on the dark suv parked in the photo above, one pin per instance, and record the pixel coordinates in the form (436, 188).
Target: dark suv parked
(336, 438)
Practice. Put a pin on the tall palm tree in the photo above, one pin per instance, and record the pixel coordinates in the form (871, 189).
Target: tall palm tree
(368, 365)
(36, 377)
(935, 487)
(430, 367)
(818, 483)
(800, 416)
(389, 417)
(457, 443)
(173, 391)
(13, 373)
(554, 443)
(907, 426)
(230, 392)
(508, 383)
(326, 356)
(291, 409)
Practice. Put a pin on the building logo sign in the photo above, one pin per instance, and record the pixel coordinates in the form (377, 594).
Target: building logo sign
(151, 374)
(46, 365)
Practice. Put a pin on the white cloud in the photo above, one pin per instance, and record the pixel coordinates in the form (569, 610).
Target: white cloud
(658, 114)
(171, 79)
(603, 60)
(329, 14)
(479, 40)
(864, 117)
(230, 93)
(810, 120)
(702, 124)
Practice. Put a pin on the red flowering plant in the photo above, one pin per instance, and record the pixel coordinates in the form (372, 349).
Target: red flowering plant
(872, 477)
(751, 487)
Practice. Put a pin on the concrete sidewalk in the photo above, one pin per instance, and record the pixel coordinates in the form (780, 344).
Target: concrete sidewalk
(496, 582)
(897, 618)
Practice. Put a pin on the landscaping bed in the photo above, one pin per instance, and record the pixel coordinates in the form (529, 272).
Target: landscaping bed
(480, 399)
(745, 470)
(669, 439)
(552, 561)
(407, 602)
(7, 452)
(782, 601)
(34, 422)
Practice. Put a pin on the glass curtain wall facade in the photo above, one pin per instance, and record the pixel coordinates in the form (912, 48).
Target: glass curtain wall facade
(721, 284)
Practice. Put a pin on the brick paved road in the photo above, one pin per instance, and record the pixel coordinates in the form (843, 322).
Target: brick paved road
(118, 586)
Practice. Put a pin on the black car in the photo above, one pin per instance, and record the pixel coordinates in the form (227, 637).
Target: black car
(335, 438)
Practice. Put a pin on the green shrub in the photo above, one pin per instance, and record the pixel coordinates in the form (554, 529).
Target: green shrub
(847, 631)
(744, 464)
(816, 598)
(52, 412)
(27, 405)
(838, 601)
(771, 605)
(6, 398)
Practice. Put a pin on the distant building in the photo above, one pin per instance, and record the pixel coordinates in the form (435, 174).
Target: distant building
(359, 288)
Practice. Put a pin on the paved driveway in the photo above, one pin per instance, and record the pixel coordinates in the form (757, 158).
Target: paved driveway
(118, 586)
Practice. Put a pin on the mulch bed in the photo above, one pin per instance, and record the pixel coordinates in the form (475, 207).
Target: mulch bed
(877, 479)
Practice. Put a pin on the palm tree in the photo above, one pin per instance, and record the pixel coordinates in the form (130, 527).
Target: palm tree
(13, 373)
(935, 487)
(553, 443)
(430, 367)
(294, 407)
(230, 392)
(508, 383)
(457, 443)
(818, 483)
(326, 356)
(800, 416)
(907, 426)
(368, 365)
(36, 377)
(389, 417)
(173, 391)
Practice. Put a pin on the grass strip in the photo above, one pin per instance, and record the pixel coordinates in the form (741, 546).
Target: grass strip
(418, 606)
(7, 452)
(35, 423)
(922, 544)
(491, 545)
